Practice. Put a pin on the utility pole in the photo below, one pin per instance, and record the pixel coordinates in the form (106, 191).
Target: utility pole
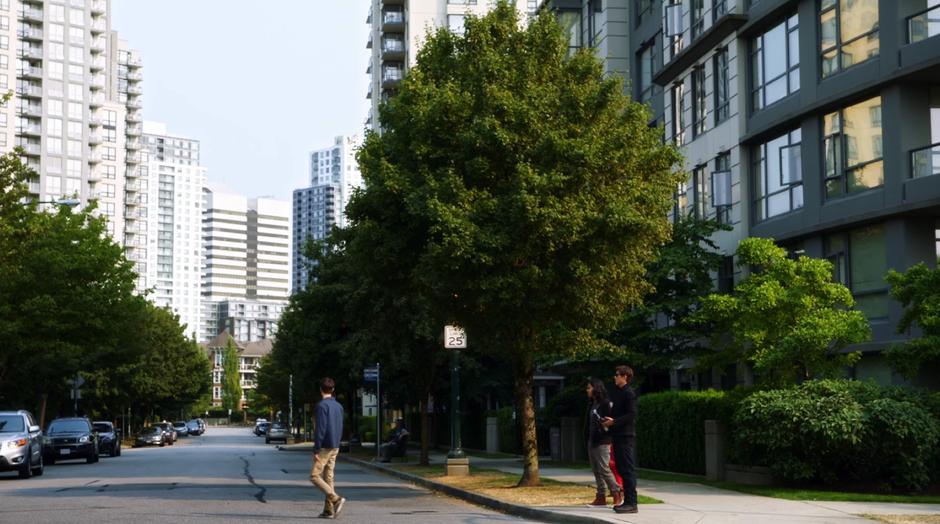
(455, 338)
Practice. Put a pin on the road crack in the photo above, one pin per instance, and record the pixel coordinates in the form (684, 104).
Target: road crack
(261, 489)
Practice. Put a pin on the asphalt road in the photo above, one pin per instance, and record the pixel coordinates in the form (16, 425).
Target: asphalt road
(226, 475)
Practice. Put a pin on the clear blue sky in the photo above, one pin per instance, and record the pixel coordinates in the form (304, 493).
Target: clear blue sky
(259, 84)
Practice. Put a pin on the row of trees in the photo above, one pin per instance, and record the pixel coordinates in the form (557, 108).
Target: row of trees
(68, 308)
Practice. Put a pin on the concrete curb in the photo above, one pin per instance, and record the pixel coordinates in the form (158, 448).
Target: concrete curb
(475, 498)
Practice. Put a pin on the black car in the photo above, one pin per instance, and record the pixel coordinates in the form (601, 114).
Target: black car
(109, 438)
(150, 436)
(71, 438)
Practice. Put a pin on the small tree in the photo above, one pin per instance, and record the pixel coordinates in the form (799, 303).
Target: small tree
(918, 290)
(231, 378)
(787, 318)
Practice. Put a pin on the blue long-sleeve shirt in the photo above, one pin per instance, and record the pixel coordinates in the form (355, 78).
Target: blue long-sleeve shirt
(329, 425)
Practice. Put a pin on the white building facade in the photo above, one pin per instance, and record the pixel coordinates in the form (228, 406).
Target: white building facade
(175, 224)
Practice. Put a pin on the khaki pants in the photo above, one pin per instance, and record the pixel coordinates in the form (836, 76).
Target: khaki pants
(322, 476)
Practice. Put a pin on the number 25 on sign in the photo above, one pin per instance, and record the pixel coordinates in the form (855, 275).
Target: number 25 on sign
(454, 338)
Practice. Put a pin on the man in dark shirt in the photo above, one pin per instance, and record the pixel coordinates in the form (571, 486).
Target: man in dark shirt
(621, 425)
(329, 429)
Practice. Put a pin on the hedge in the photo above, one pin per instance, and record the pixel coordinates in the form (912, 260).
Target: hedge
(671, 427)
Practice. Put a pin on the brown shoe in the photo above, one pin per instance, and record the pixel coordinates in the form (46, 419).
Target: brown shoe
(618, 498)
(599, 500)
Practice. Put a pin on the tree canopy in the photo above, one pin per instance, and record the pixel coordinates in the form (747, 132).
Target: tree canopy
(918, 291)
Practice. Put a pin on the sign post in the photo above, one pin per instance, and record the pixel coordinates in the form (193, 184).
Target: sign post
(455, 339)
(373, 375)
(290, 405)
(76, 393)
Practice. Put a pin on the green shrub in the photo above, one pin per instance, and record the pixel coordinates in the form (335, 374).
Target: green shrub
(366, 428)
(829, 430)
(671, 427)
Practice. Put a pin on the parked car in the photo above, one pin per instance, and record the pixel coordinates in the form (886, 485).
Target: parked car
(71, 438)
(196, 427)
(20, 444)
(181, 428)
(277, 431)
(261, 428)
(150, 436)
(109, 438)
(169, 434)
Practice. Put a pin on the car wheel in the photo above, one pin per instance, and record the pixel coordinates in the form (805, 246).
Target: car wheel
(117, 450)
(38, 470)
(162, 444)
(26, 471)
(90, 459)
(267, 441)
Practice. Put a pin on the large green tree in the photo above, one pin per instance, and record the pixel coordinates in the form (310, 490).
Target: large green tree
(918, 290)
(788, 317)
(231, 377)
(537, 191)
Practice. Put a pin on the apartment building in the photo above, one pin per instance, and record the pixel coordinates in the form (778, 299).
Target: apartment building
(249, 359)
(334, 175)
(246, 264)
(174, 221)
(813, 122)
(398, 28)
(76, 109)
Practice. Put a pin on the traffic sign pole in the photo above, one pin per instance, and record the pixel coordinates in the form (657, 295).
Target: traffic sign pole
(455, 338)
(378, 409)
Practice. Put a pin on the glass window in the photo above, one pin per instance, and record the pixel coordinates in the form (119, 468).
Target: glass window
(722, 85)
(852, 149)
(56, 13)
(73, 168)
(76, 91)
(56, 51)
(76, 110)
(697, 13)
(54, 126)
(75, 129)
(678, 113)
(681, 201)
(455, 23)
(859, 260)
(701, 196)
(76, 17)
(74, 148)
(76, 35)
(570, 22)
(56, 32)
(778, 180)
(699, 109)
(54, 145)
(56, 70)
(76, 54)
(54, 107)
(722, 165)
(848, 33)
(775, 63)
(645, 60)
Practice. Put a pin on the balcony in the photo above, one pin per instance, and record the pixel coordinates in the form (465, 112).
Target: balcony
(30, 53)
(134, 103)
(94, 139)
(923, 25)
(132, 158)
(97, 63)
(134, 144)
(134, 130)
(96, 100)
(29, 33)
(30, 72)
(30, 14)
(29, 90)
(95, 121)
(369, 42)
(134, 61)
(31, 149)
(132, 186)
(688, 36)
(30, 130)
(34, 111)
(94, 175)
(393, 21)
(135, 116)
(135, 89)
(392, 75)
(98, 7)
(97, 82)
(393, 48)
(97, 45)
(98, 27)
(135, 76)
(135, 172)
(95, 157)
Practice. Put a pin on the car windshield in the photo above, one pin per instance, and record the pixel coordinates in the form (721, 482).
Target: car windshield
(150, 431)
(11, 424)
(102, 427)
(179, 424)
(279, 425)
(68, 426)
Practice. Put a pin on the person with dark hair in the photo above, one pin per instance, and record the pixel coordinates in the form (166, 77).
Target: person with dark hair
(598, 440)
(329, 420)
(621, 424)
(397, 444)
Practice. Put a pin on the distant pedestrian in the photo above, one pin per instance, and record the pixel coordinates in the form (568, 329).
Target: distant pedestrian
(397, 444)
(598, 439)
(622, 427)
(329, 429)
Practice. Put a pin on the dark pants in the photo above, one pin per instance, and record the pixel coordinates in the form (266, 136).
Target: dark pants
(625, 458)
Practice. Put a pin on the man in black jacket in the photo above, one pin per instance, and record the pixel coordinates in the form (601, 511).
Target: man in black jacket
(622, 428)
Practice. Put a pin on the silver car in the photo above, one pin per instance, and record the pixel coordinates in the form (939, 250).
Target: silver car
(277, 431)
(20, 444)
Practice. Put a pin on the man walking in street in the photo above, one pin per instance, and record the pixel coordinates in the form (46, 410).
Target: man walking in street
(622, 428)
(329, 419)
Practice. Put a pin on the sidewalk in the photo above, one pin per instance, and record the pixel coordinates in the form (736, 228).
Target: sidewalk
(689, 503)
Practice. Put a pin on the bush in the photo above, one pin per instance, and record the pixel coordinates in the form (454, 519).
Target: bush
(366, 428)
(829, 430)
(671, 427)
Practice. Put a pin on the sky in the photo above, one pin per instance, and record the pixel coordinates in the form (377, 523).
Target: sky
(259, 84)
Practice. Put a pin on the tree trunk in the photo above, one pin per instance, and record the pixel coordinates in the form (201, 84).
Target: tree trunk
(425, 430)
(530, 449)
(42, 410)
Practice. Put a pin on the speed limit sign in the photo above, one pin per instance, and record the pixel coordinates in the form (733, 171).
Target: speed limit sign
(454, 338)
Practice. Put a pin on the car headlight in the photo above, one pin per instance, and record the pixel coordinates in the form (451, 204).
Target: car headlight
(83, 439)
(18, 443)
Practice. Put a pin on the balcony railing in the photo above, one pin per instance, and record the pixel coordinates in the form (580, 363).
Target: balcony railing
(393, 45)
(925, 161)
(33, 53)
(98, 26)
(96, 100)
(393, 17)
(29, 90)
(392, 74)
(32, 71)
(29, 33)
(31, 14)
(689, 34)
(923, 25)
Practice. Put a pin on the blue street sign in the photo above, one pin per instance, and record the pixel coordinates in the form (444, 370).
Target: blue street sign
(370, 374)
